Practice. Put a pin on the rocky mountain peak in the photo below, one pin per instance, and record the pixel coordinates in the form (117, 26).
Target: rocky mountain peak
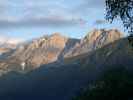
(112, 34)
(103, 37)
(94, 40)
(92, 36)
(43, 50)
(56, 34)
(58, 39)
(49, 40)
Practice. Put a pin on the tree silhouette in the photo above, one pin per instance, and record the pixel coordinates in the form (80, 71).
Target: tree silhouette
(122, 9)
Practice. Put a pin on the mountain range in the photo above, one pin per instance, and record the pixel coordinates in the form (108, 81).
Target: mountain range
(55, 67)
(50, 48)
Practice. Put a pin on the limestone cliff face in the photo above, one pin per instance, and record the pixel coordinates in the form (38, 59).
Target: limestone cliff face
(55, 47)
(43, 50)
(94, 40)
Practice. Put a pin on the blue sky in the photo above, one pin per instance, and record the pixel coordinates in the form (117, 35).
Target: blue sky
(26, 19)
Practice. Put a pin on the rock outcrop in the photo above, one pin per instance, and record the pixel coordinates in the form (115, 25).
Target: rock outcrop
(94, 40)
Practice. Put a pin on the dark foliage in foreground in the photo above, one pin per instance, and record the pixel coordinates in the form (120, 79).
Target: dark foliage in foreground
(114, 85)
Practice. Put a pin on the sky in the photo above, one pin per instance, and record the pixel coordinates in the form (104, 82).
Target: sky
(26, 19)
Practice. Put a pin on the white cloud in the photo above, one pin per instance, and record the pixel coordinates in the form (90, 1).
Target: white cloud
(48, 13)
(40, 21)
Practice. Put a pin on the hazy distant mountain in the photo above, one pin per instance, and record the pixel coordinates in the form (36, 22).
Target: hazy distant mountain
(94, 40)
(7, 44)
(6, 47)
(4, 50)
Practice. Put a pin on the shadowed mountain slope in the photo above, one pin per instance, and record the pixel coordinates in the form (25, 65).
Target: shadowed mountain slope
(119, 52)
